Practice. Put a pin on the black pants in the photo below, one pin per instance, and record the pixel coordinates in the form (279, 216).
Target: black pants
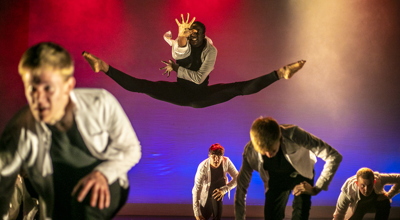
(212, 207)
(277, 197)
(381, 209)
(177, 94)
(70, 208)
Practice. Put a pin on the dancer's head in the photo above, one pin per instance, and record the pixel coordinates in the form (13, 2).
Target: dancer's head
(198, 34)
(265, 135)
(216, 153)
(365, 181)
(47, 73)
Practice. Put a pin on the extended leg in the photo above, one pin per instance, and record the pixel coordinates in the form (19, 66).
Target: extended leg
(170, 92)
(220, 93)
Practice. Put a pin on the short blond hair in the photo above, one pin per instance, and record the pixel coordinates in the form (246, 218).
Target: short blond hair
(46, 55)
(266, 131)
(365, 173)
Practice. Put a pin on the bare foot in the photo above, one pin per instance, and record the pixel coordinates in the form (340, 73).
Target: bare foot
(95, 63)
(289, 70)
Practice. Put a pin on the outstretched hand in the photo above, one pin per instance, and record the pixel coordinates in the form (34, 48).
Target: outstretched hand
(97, 183)
(305, 188)
(184, 26)
(170, 66)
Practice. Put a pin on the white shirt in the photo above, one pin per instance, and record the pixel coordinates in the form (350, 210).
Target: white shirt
(350, 194)
(104, 127)
(202, 182)
(300, 149)
(208, 58)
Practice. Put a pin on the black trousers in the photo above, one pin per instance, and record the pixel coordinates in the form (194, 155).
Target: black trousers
(277, 197)
(381, 209)
(212, 207)
(198, 97)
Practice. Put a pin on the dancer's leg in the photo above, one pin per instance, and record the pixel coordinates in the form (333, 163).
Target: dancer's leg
(220, 93)
(170, 92)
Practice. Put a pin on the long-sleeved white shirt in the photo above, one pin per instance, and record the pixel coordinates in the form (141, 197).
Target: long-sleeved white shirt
(202, 182)
(104, 127)
(350, 194)
(300, 149)
(208, 58)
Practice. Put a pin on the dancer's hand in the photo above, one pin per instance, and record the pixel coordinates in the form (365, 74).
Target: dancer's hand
(200, 217)
(96, 182)
(305, 188)
(218, 194)
(184, 27)
(170, 65)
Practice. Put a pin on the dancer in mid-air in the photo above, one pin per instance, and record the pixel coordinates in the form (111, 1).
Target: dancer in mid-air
(195, 57)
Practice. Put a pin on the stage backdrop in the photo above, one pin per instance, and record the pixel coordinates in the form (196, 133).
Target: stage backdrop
(347, 93)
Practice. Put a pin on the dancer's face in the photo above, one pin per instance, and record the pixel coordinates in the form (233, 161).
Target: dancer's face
(197, 37)
(366, 186)
(215, 160)
(272, 150)
(47, 94)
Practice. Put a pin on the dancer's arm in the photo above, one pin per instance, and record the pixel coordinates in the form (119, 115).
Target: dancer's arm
(341, 206)
(322, 150)
(392, 178)
(125, 148)
(233, 173)
(196, 191)
(199, 76)
(243, 182)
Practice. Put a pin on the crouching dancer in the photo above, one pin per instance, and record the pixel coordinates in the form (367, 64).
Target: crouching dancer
(365, 193)
(76, 145)
(211, 184)
(285, 156)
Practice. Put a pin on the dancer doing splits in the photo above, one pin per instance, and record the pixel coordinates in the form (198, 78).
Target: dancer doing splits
(194, 62)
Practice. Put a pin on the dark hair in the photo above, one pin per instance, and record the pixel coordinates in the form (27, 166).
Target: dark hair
(266, 132)
(198, 23)
(216, 149)
(365, 173)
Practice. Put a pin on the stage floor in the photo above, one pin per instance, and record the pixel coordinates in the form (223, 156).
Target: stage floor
(191, 218)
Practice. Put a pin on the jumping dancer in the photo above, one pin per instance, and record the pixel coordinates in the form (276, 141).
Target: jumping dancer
(195, 57)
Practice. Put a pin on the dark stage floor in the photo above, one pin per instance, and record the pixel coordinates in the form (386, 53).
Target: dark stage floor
(191, 218)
